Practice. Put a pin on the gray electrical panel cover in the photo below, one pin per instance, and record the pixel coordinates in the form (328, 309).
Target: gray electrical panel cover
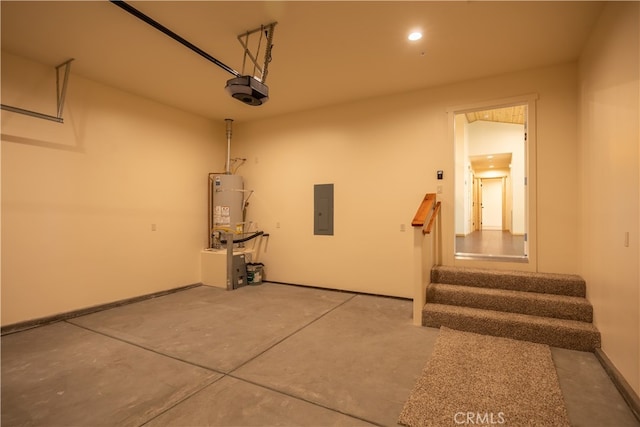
(323, 209)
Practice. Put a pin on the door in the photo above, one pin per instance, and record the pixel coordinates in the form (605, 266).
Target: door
(492, 203)
(497, 139)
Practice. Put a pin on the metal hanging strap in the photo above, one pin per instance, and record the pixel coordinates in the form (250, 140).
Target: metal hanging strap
(61, 92)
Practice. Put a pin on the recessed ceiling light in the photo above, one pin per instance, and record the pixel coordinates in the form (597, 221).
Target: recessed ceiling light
(416, 35)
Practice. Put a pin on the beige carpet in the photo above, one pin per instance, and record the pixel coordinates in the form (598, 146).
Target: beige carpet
(474, 379)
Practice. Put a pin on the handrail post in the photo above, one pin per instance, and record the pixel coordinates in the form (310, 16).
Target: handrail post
(426, 251)
(422, 258)
(438, 238)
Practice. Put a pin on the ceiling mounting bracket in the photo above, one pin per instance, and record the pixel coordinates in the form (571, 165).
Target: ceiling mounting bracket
(246, 88)
(61, 93)
(265, 31)
(250, 88)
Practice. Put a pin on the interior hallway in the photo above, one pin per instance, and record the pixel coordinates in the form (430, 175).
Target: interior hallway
(260, 355)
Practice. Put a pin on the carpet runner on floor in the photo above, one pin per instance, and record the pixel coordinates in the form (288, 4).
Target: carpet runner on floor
(474, 379)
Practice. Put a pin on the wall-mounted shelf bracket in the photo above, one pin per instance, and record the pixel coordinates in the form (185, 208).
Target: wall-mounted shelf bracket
(61, 92)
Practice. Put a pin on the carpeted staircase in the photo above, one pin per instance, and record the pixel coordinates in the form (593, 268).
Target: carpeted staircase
(538, 307)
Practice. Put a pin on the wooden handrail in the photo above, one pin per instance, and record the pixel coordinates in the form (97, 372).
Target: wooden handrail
(432, 220)
(426, 251)
(422, 213)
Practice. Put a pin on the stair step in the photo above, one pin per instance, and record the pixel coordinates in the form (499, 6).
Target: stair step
(533, 303)
(548, 283)
(563, 333)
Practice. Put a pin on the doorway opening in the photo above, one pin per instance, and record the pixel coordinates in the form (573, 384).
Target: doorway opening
(491, 190)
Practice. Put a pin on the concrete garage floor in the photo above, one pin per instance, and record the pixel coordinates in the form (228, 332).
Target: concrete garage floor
(261, 355)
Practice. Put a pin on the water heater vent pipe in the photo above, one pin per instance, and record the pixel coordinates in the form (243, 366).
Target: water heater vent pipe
(227, 167)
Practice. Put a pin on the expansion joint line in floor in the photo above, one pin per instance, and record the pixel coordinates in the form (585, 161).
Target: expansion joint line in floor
(185, 398)
(145, 348)
(230, 373)
(302, 399)
(70, 322)
(293, 333)
(190, 395)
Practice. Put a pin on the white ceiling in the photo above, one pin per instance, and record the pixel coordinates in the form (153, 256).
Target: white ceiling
(324, 52)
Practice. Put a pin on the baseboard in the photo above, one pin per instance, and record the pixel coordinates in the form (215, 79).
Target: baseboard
(29, 324)
(629, 395)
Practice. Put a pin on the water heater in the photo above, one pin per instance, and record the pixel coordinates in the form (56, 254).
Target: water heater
(228, 200)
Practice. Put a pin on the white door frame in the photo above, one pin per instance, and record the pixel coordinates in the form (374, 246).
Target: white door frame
(531, 263)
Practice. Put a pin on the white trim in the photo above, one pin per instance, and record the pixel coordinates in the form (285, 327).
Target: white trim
(530, 99)
(498, 103)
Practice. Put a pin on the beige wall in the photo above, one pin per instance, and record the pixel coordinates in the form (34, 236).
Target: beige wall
(610, 182)
(382, 155)
(79, 198)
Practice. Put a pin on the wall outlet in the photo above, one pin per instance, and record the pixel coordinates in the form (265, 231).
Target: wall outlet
(402, 227)
(153, 227)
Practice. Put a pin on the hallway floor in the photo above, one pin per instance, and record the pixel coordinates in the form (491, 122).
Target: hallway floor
(261, 355)
(491, 243)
